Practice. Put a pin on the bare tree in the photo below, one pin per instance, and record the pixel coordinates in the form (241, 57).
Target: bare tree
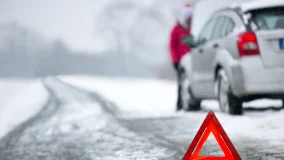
(131, 30)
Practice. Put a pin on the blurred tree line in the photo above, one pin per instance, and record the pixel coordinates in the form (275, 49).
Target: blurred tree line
(136, 34)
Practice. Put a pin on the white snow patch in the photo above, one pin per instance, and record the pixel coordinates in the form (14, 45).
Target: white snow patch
(146, 98)
(20, 100)
(142, 97)
(10, 87)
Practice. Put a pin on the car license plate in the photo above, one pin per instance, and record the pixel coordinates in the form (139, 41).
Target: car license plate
(281, 43)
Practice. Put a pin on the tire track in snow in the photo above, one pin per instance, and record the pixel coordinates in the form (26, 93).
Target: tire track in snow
(107, 106)
(112, 109)
(49, 109)
(16, 144)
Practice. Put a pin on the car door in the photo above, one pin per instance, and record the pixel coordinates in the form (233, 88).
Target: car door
(200, 76)
(212, 47)
(200, 51)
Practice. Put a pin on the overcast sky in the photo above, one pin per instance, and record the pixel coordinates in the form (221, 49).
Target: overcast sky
(70, 20)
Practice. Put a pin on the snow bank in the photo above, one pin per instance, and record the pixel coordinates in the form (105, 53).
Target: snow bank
(147, 98)
(20, 100)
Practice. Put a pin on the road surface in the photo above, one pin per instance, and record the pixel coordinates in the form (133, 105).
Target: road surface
(76, 124)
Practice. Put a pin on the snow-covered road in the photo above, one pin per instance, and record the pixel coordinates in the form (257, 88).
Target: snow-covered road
(82, 124)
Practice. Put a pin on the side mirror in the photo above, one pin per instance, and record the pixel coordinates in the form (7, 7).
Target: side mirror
(189, 40)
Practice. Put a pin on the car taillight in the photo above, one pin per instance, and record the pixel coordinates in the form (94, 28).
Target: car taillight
(247, 44)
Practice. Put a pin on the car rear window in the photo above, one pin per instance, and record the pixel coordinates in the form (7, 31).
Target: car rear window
(269, 19)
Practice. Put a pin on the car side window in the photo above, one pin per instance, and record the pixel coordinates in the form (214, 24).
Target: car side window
(218, 28)
(206, 32)
(230, 26)
(225, 24)
(203, 32)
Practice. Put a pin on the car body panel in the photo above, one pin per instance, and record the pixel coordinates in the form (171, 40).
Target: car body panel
(249, 77)
(233, 70)
(271, 54)
(259, 79)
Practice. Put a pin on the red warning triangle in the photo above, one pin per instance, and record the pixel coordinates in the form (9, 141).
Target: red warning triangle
(211, 125)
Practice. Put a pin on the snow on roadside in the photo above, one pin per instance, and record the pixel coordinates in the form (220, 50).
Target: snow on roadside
(10, 87)
(20, 100)
(144, 97)
(157, 98)
(90, 116)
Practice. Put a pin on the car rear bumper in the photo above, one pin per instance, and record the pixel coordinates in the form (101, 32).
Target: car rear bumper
(250, 77)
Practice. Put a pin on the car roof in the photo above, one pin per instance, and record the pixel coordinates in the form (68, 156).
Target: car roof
(256, 4)
(244, 7)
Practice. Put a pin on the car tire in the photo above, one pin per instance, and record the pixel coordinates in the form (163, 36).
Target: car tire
(229, 103)
(193, 103)
(189, 102)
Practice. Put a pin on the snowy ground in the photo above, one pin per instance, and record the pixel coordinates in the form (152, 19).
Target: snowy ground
(140, 97)
(75, 124)
(10, 87)
(148, 98)
(20, 99)
(126, 119)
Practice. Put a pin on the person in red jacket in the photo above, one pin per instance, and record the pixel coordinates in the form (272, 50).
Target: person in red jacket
(176, 46)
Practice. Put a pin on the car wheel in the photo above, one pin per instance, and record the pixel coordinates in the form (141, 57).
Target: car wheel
(229, 103)
(193, 103)
(189, 103)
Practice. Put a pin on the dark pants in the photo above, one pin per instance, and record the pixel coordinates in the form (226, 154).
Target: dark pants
(179, 72)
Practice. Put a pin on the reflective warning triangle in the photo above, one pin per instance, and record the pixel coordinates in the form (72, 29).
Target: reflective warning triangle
(211, 125)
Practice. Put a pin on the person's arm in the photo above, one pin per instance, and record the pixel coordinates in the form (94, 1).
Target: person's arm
(173, 44)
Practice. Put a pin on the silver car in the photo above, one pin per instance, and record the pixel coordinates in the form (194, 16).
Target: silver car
(237, 57)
